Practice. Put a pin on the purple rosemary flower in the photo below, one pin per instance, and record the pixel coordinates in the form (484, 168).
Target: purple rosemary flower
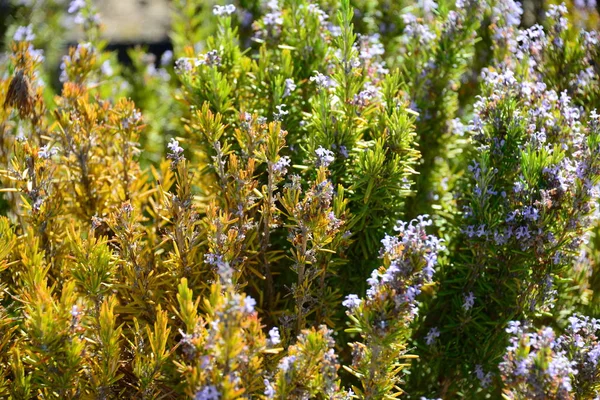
(369, 93)
(287, 363)
(75, 311)
(583, 4)
(166, 58)
(47, 152)
(530, 213)
(470, 231)
(280, 167)
(280, 113)
(352, 302)
(24, 34)
(183, 65)
(274, 337)
(209, 392)
(323, 81)
(522, 232)
(175, 152)
(273, 18)
(324, 157)
(249, 304)
(538, 364)
(469, 301)
(370, 46)
(415, 30)
(484, 378)
(269, 390)
(507, 13)
(432, 336)
(75, 6)
(427, 6)
(212, 58)
(134, 119)
(223, 10)
(316, 10)
(290, 86)
(481, 231)
(518, 187)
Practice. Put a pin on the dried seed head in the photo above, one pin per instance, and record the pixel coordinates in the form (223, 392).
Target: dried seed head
(20, 94)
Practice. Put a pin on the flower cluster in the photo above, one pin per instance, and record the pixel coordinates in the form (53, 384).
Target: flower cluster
(506, 17)
(409, 259)
(310, 367)
(383, 317)
(530, 196)
(555, 178)
(541, 365)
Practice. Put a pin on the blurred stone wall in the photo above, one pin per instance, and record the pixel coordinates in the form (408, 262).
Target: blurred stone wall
(135, 21)
(147, 21)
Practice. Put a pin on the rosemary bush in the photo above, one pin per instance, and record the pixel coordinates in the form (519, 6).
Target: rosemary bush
(303, 199)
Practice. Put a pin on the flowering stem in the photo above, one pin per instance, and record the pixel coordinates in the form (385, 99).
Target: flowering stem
(266, 239)
(301, 270)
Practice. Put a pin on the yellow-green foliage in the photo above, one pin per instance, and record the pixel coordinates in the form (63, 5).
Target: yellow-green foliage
(227, 222)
